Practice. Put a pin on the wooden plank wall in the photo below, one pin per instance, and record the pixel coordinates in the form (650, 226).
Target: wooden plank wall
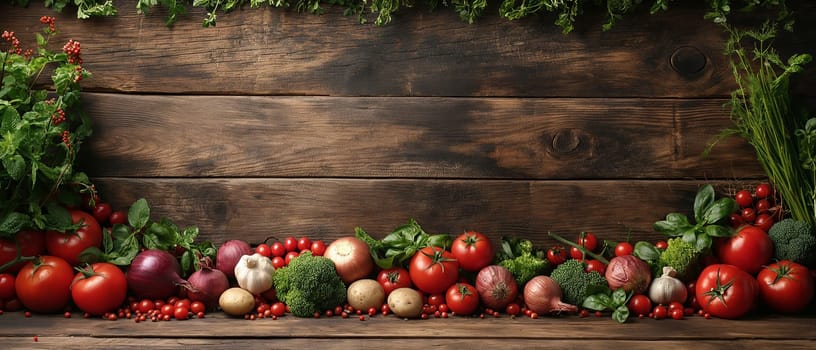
(279, 123)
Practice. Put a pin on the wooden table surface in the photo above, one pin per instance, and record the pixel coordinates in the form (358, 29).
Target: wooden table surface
(217, 331)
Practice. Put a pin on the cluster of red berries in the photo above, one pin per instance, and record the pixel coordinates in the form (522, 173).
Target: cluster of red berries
(72, 48)
(58, 117)
(66, 138)
(15, 43)
(50, 22)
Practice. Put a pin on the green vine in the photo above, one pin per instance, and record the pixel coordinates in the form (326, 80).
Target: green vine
(566, 11)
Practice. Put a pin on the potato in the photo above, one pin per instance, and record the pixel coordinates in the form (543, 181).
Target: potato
(236, 301)
(366, 293)
(405, 302)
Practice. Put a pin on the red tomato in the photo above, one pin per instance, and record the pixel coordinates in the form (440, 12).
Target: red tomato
(433, 270)
(99, 289)
(595, 265)
(640, 304)
(394, 278)
(318, 248)
(473, 250)
(304, 243)
(32, 243)
(44, 284)
(69, 245)
(436, 299)
(278, 262)
(588, 240)
(556, 255)
(7, 290)
(749, 249)
(748, 215)
(118, 217)
(764, 222)
(264, 250)
(624, 248)
(726, 291)
(462, 299)
(744, 198)
(660, 312)
(289, 256)
(576, 253)
(762, 206)
(735, 220)
(786, 286)
(662, 245)
(181, 313)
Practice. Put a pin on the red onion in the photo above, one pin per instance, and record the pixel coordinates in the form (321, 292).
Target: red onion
(154, 274)
(628, 272)
(496, 287)
(228, 255)
(542, 295)
(206, 285)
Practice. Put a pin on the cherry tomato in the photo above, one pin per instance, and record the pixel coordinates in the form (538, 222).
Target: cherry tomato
(764, 221)
(264, 250)
(100, 288)
(102, 212)
(473, 251)
(278, 249)
(662, 245)
(144, 306)
(762, 206)
(197, 306)
(291, 244)
(660, 312)
(318, 248)
(677, 314)
(763, 190)
(640, 304)
(168, 309)
(595, 265)
(393, 278)
(436, 299)
(744, 198)
(7, 290)
(576, 253)
(624, 248)
(278, 262)
(588, 240)
(181, 313)
(513, 309)
(462, 299)
(748, 215)
(289, 256)
(304, 243)
(118, 217)
(278, 309)
(735, 220)
(675, 306)
(556, 255)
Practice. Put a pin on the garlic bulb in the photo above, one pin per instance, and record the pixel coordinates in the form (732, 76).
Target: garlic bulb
(254, 273)
(666, 288)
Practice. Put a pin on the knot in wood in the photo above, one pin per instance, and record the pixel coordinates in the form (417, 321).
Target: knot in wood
(688, 61)
(567, 141)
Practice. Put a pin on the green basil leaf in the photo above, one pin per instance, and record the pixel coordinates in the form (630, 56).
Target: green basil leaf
(107, 241)
(718, 231)
(621, 314)
(440, 240)
(598, 302)
(91, 255)
(690, 236)
(667, 228)
(57, 218)
(703, 242)
(720, 210)
(646, 251)
(619, 297)
(128, 250)
(139, 214)
(703, 200)
(187, 261)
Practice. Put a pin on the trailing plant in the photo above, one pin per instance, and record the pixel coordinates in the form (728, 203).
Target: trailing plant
(566, 11)
(41, 132)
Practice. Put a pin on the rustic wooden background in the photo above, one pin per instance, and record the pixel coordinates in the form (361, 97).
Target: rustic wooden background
(279, 123)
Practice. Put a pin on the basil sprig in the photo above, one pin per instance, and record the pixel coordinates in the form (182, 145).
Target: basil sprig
(710, 216)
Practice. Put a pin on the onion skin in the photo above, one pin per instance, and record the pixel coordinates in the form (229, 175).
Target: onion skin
(628, 272)
(154, 274)
(352, 258)
(207, 285)
(496, 287)
(228, 255)
(542, 295)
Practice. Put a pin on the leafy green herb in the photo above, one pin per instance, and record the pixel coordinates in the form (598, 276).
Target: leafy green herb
(610, 301)
(710, 216)
(396, 248)
(40, 134)
(126, 241)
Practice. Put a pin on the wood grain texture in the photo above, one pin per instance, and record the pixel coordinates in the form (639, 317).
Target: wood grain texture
(273, 51)
(238, 136)
(254, 208)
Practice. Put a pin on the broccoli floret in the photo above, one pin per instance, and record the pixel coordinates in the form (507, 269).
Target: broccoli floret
(576, 284)
(309, 284)
(525, 267)
(794, 240)
(682, 256)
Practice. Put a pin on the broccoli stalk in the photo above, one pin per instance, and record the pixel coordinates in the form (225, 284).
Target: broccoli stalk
(309, 284)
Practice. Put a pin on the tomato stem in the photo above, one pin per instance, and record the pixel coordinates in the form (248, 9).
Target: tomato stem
(579, 247)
